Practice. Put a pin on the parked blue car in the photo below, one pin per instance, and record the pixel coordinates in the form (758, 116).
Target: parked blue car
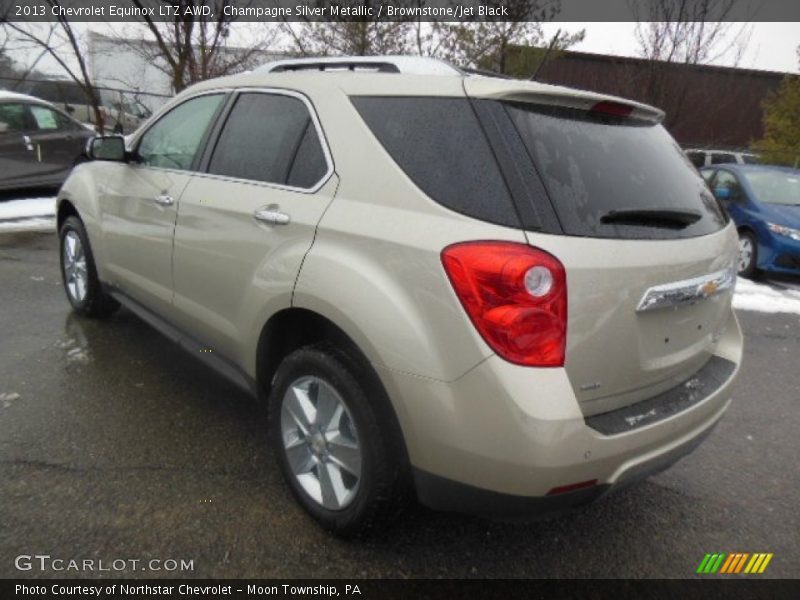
(764, 202)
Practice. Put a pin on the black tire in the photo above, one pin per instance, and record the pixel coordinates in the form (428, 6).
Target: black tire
(380, 491)
(748, 268)
(94, 303)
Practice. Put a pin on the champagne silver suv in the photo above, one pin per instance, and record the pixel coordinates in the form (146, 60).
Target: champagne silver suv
(504, 297)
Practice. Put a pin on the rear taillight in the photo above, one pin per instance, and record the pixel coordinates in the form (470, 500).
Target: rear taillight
(515, 295)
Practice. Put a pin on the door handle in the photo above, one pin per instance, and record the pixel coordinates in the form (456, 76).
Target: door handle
(164, 200)
(271, 214)
(26, 139)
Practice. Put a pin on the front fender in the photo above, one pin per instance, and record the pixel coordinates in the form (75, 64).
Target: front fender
(82, 190)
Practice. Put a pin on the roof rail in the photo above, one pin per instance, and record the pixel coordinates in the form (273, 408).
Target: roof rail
(413, 65)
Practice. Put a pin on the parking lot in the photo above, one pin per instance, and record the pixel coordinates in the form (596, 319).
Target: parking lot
(115, 444)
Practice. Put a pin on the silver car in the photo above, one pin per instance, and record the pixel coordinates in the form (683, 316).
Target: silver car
(504, 297)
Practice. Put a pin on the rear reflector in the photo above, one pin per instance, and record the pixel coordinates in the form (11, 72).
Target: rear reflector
(616, 109)
(515, 296)
(572, 487)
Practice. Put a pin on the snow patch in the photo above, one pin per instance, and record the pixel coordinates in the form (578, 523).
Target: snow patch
(761, 297)
(27, 208)
(28, 214)
(35, 224)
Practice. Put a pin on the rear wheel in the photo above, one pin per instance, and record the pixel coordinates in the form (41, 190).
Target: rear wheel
(331, 448)
(79, 274)
(748, 254)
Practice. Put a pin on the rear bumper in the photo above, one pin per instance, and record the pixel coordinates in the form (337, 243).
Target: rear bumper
(500, 438)
(447, 495)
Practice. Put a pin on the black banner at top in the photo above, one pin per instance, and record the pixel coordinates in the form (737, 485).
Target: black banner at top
(394, 10)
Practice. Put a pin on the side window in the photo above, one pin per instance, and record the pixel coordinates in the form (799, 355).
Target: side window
(698, 159)
(13, 117)
(719, 158)
(269, 138)
(174, 140)
(726, 179)
(309, 163)
(439, 144)
(46, 118)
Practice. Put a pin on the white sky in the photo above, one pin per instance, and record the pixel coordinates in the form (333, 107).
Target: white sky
(771, 46)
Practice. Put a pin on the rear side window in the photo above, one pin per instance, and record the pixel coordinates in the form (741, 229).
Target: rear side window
(309, 164)
(615, 178)
(440, 145)
(269, 138)
(698, 159)
(720, 158)
(14, 117)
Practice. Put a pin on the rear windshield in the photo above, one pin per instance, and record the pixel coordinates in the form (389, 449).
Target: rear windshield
(615, 178)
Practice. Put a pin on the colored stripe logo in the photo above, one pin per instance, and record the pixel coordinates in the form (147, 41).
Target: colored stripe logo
(736, 562)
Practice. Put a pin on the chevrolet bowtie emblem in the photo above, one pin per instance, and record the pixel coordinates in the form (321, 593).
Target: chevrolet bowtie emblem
(709, 288)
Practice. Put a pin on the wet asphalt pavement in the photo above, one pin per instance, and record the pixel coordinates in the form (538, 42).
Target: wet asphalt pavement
(120, 445)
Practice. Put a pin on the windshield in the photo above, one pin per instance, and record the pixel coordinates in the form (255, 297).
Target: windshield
(775, 187)
(615, 178)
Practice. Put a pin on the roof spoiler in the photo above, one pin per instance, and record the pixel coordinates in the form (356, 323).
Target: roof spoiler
(553, 95)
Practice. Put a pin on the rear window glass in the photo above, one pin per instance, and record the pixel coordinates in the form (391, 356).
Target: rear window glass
(615, 178)
(718, 158)
(440, 145)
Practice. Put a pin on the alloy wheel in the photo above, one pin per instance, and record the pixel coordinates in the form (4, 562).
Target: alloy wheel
(76, 275)
(321, 442)
(745, 253)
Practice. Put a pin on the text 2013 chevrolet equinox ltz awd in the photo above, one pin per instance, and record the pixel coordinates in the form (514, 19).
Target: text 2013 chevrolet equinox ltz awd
(505, 296)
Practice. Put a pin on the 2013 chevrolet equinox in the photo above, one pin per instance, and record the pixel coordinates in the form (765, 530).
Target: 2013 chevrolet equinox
(506, 296)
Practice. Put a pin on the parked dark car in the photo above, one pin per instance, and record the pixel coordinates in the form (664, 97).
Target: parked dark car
(39, 144)
(764, 202)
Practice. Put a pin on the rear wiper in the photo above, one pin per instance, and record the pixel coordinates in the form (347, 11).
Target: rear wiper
(666, 218)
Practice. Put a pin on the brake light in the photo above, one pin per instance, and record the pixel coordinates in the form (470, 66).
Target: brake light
(616, 109)
(515, 296)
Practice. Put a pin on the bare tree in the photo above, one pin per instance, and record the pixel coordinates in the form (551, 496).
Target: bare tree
(687, 32)
(497, 45)
(63, 44)
(192, 47)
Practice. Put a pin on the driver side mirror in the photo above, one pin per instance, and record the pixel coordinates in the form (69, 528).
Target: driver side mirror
(107, 147)
(722, 193)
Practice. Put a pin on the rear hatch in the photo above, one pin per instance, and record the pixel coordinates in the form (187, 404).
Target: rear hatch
(647, 250)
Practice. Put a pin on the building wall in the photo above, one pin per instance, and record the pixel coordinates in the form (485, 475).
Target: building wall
(706, 106)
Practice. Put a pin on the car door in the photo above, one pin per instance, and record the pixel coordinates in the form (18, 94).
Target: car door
(19, 162)
(58, 140)
(140, 201)
(245, 224)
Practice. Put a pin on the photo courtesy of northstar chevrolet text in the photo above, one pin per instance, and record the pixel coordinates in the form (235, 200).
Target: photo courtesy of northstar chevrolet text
(304, 295)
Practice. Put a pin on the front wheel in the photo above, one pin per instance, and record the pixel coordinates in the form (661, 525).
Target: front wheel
(331, 448)
(748, 255)
(79, 274)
